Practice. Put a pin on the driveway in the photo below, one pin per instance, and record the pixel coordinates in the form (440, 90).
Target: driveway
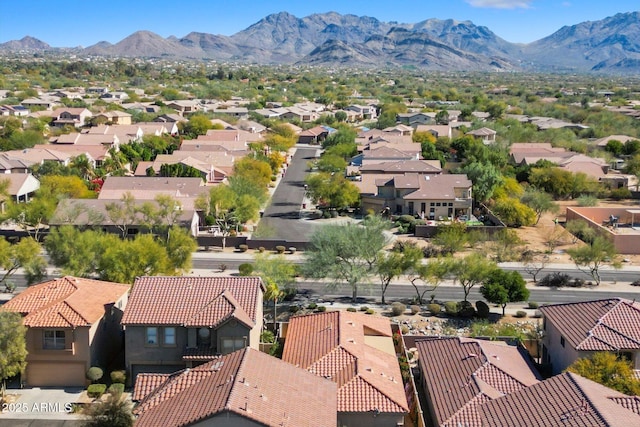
(41, 407)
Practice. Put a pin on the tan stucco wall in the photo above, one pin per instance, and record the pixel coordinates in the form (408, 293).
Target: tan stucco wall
(560, 357)
(369, 419)
(594, 217)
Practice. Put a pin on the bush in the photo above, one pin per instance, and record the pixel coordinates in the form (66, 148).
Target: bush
(415, 309)
(243, 248)
(635, 283)
(434, 309)
(292, 249)
(398, 308)
(115, 389)
(294, 309)
(280, 249)
(245, 269)
(364, 308)
(322, 308)
(587, 201)
(465, 309)
(533, 305)
(267, 336)
(94, 374)
(620, 194)
(370, 311)
(96, 390)
(483, 309)
(520, 314)
(404, 329)
(261, 249)
(119, 377)
(451, 308)
(555, 280)
(351, 309)
(312, 306)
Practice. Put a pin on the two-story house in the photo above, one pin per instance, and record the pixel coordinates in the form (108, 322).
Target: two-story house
(577, 330)
(431, 196)
(72, 324)
(172, 323)
(76, 117)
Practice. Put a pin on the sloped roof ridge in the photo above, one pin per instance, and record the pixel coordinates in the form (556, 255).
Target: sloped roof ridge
(609, 313)
(65, 302)
(239, 312)
(466, 407)
(145, 403)
(488, 363)
(572, 377)
(202, 309)
(362, 378)
(234, 387)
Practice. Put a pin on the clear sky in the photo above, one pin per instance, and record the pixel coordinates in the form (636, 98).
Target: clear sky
(82, 23)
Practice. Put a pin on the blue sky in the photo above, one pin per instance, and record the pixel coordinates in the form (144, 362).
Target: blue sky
(83, 23)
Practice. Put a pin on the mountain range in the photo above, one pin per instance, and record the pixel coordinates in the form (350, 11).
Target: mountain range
(609, 46)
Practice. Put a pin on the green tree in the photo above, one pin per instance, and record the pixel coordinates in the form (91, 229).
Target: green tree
(332, 190)
(73, 251)
(394, 264)
(198, 124)
(429, 275)
(513, 212)
(485, 178)
(607, 369)
(451, 237)
(589, 258)
(180, 246)
(26, 255)
(472, 270)
(331, 163)
(278, 275)
(123, 260)
(13, 346)
(502, 287)
(345, 253)
(540, 202)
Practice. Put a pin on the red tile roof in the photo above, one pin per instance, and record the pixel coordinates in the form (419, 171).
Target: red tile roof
(461, 374)
(247, 383)
(564, 400)
(601, 325)
(193, 301)
(334, 345)
(67, 302)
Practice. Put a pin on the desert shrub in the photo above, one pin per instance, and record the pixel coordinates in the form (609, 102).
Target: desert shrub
(465, 309)
(245, 269)
(294, 309)
(292, 249)
(116, 389)
(312, 306)
(267, 336)
(243, 248)
(483, 309)
(431, 251)
(261, 249)
(370, 311)
(520, 314)
(533, 305)
(415, 309)
(398, 308)
(322, 308)
(402, 245)
(94, 373)
(364, 308)
(280, 249)
(451, 308)
(119, 377)
(620, 194)
(555, 280)
(222, 267)
(351, 309)
(635, 283)
(404, 329)
(434, 309)
(587, 201)
(96, 390)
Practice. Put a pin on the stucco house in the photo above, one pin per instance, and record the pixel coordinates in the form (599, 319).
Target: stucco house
(21, 186)
(243, 388)
(577, 330)
(72, 324)
(431, 196)
(356, 351)
(172, 323)
(76, 117)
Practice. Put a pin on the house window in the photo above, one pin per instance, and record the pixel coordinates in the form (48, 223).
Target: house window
(411, 208)
(54, 340)
(432, 204)
(562, 341)
(152, 335)
(438, 204)
(170, 336)
(230, 345)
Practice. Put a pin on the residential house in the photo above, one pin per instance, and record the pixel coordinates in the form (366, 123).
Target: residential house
(300, 114)
(117, 96)
(21, 185)
(486, 135)
(185, 106)
(458, 375)
(112, 216)
(76, 117)
(116, 117)
(47, 104)
(170, 118)
(100, 90)
(72, 324)
(355, 351)
(577, 330)
(215, 166)
(104, 141)
(315, 135)
(564, 400)
(141, 107)
(172, 323)
(183, 190)
(438, 131)
(13, 110)
(11, 164)
(430, 196)
(243, 388)
(416, 118)
(363, 112)
(123, 133)
(602, 142)
(369, 173)
(237, 112)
